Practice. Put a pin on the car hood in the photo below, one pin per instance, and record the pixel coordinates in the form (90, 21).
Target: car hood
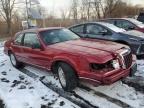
(91, 48)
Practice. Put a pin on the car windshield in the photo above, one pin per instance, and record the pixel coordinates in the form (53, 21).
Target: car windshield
(57, 35)
(113, 27)
(136, 22)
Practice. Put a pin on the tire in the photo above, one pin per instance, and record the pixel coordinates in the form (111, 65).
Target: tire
(14, 61)
(67, 77)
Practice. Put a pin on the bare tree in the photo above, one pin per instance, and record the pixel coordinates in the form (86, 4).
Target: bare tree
(110, 6)
(6, 10)
(85, 11)
(64, 13)
(74, 9)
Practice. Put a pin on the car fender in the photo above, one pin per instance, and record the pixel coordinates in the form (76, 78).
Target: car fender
(72, 61)
(7, 46)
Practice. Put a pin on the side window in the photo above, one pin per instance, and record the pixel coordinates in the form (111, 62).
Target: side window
(125, 24)
(18, 39)
(78, 29)
(31, 40)
(96, 30)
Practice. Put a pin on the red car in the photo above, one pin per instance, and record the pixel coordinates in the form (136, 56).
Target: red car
(73, 59)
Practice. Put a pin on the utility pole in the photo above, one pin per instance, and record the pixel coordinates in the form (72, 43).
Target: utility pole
(27, 13)
(29, 4)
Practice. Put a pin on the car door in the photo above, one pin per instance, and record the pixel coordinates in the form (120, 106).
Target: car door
(98, 32)
(17, 46)
(32, 52)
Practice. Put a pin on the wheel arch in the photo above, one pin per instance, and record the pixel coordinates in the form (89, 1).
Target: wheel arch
(57, 61)
(9, 50)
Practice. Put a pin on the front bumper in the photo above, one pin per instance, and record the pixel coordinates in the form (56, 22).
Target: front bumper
(122, 74)
(107, 79)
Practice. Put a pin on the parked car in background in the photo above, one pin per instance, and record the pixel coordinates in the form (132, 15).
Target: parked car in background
(106, 31)
(64, 53)
(141, 17)
(126, 23)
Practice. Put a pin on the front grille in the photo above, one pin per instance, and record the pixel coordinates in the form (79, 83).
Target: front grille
(127, 58)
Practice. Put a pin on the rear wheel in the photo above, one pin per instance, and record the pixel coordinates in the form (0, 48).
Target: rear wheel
(14, 61)
(67, 76)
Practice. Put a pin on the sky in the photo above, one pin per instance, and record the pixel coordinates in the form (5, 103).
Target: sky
(66, 3)
(135, 2)
(56, 5)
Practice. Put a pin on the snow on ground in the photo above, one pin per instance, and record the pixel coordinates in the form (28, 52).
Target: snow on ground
(89, 96)
(117, 90)
(122, 92)
(17, 90)
(140, 71)
(94, 99)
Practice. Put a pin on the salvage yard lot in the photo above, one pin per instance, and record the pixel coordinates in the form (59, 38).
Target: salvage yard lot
(28, 88)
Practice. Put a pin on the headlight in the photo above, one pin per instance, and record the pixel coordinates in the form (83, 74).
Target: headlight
(95, 66)
(106, 67)
(115, 64)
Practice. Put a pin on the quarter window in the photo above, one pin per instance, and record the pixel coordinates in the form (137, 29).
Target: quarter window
(78, 29)
(31, 40)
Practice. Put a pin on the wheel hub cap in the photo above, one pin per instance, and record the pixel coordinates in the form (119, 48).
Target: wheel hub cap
(13, 60)
(62, 76)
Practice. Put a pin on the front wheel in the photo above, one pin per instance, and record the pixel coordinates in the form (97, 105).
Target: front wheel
(67, 76)
(14, 61)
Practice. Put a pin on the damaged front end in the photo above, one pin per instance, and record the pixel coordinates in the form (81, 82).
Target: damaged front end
(113, 70)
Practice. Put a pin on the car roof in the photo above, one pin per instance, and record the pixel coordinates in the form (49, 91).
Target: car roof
(102, 23)
(116, 19)
(93, 22)
(41, 29)
(105, 24)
